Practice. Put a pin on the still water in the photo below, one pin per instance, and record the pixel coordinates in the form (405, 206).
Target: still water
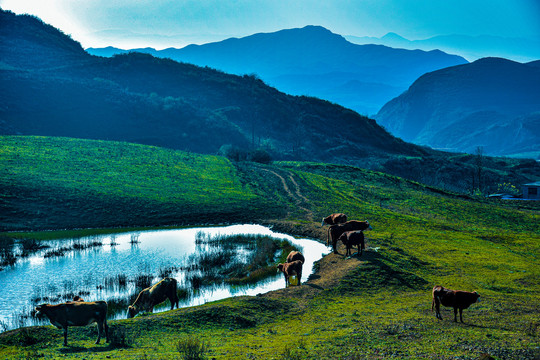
(90, 272)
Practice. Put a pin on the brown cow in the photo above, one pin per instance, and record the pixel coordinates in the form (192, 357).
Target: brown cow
(77, 313)
(154, 295)
(351, 238)
(457, 299)
(291, 268)
(335, 231)
(295, 255)
(337, 218)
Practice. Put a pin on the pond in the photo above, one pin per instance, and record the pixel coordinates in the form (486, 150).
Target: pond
(109, 267)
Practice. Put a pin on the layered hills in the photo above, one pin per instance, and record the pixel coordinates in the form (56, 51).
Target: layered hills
(54, 88)
(493, 103)
(314, 61)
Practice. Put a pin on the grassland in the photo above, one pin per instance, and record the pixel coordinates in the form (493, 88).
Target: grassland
(374, 307)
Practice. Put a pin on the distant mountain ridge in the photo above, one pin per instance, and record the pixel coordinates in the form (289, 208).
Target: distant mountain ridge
(470, 47)
(493, 103)
(53, 88)
(139, 98)
(313, 61)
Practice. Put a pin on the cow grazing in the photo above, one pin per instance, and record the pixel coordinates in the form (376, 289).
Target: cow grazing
(352, 238)
(295, 255)
(291, 268)
(154, 295)
(78, 298)
(335, 231)
(77, 313)
(337, 218)
(457, 299)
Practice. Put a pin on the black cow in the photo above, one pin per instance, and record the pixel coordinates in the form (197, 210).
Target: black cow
(352, 238)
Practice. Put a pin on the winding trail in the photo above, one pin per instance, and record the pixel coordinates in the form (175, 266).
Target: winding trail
(297, 197)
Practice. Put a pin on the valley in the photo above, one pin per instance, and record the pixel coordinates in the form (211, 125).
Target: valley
(421, 237)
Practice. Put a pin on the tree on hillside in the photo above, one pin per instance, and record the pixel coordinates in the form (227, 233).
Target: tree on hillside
(478, 170)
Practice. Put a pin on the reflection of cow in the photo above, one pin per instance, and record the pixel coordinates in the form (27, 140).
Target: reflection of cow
(457, 299)
(295, 255)
(291, 268)
(154, 295)
(337, 218)
(352, 238)
(335, 231)
(77, 313)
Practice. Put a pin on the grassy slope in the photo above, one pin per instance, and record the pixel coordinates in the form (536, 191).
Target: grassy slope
(373, 307)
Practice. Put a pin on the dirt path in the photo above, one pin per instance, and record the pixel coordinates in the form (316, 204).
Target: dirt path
(331, 268)
(300, 200)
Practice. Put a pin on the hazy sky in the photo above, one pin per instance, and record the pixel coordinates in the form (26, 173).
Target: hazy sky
(176, 23)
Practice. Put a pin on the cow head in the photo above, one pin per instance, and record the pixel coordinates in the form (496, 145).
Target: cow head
(322, 223)
(368, 226)
(280, 268)
(132, 311)
(40, 309)
(477, 296)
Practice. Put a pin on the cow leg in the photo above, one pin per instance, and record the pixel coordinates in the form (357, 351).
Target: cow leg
(299, 278)
(65, 335)
(107, 339)
(176, 300)
(461, 314)
(99, 331)
(455, 314)
(437, 309)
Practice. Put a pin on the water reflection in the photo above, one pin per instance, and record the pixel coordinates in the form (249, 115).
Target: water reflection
(106, 268)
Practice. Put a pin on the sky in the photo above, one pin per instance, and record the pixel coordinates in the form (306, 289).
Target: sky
(177, 23)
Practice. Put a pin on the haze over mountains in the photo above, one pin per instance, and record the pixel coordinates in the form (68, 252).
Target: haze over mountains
(470, 47)
(316, 62)
(55, 88)
(493, 103)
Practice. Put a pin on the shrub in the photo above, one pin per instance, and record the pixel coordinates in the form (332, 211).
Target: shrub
(192, 349)
(261, 156)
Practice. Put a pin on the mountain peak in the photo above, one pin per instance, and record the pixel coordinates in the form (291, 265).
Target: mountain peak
(393, 36)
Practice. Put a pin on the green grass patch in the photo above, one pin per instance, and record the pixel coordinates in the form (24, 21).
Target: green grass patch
(381, 308)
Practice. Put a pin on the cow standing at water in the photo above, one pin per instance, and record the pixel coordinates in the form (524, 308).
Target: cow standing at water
(333, 219)
(335, 231)
(154, 295)
(457, 299)
(291, 268)
(352, 238)
(295, 255)
(77, 313)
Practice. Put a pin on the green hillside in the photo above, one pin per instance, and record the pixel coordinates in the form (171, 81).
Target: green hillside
(376, 306)
(142, 99)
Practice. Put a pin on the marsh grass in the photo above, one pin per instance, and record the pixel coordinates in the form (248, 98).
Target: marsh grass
(7, 251)
(236, 259)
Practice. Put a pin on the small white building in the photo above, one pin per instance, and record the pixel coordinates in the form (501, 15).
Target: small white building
(531, 191)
